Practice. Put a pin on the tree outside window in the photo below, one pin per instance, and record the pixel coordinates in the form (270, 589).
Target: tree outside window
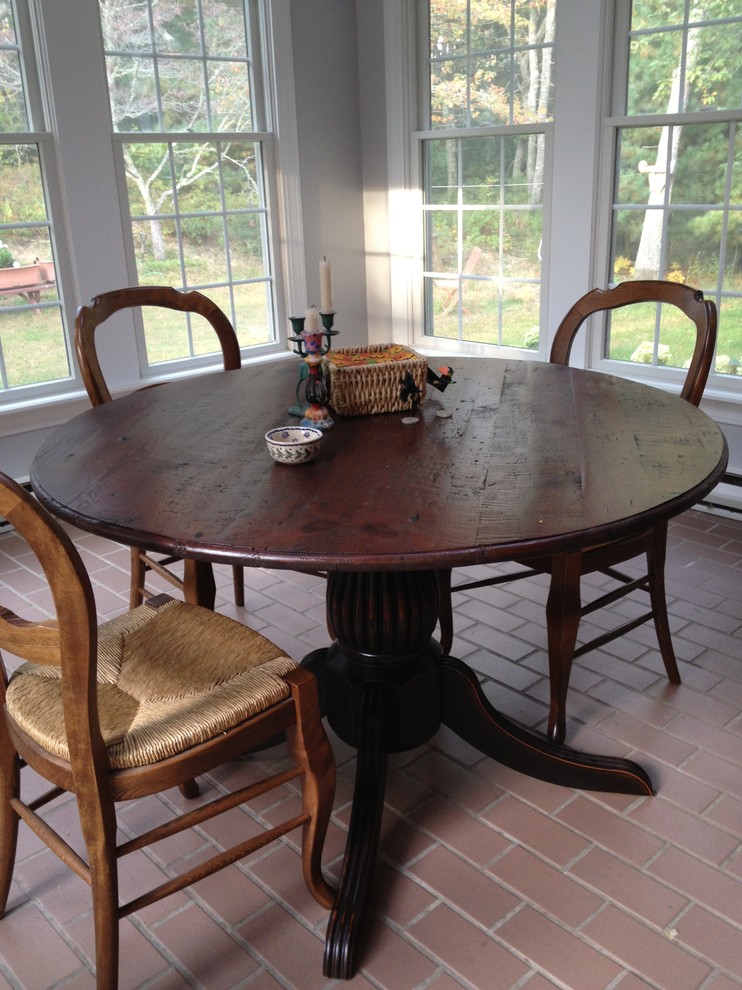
(490, 95)
(677, 211)
(182, 93)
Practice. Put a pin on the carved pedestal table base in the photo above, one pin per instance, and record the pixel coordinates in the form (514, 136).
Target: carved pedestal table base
(388, 688)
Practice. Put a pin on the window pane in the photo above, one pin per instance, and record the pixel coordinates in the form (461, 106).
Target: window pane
(166, 333)
(653, 60)
(229, 110)
(13, 117)
(700, 171)
(176, 28)
(694, 246)
(181, 88)
(716, 71)
(490, 63)
(222, 20)
(133, 94)
(483, 234)
(198, 207)
(252, 303)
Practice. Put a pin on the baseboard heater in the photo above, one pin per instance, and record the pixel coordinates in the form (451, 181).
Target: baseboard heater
(726, 497)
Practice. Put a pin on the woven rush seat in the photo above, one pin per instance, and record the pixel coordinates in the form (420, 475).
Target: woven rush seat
(150, 701)
(149, 708)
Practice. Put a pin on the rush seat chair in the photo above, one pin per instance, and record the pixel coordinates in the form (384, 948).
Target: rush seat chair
(150, 700)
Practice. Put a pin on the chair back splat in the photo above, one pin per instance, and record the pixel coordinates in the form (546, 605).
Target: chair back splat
(564, 608)
(144, 703)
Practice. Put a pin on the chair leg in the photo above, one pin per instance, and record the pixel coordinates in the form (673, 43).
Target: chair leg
(10, 785)
(658, 597)
(562, 622)
(98, 821)
(238, 580)
(309, 748)
(138, 572)
(445, 613)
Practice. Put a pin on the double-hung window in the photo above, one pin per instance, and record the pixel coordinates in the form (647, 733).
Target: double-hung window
(34, 349)
(145, 154)
(486, 105)
(188, 112)
(677, 190)
(552, 157)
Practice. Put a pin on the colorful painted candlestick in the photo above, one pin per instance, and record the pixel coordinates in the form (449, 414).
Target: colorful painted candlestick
(312, 345)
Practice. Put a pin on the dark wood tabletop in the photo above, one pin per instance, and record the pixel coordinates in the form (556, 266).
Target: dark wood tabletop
(534, 458)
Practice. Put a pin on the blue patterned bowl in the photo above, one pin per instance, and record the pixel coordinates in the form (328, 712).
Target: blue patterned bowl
(293, 444)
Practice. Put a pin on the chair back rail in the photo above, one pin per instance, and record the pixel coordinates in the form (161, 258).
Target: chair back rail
(89, 318)
(698, 309)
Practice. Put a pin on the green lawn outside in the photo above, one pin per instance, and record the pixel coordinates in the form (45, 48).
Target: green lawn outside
(631, 327)
(34, 350)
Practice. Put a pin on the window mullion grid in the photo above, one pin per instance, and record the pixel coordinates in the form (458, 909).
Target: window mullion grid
(155, 63)
(204, 65)
(501, 238)
(726, 210)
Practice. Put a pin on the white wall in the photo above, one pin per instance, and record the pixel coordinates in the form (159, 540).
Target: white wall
(330, 165)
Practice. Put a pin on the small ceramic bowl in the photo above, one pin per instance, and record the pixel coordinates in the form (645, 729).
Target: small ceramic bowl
(293, 444)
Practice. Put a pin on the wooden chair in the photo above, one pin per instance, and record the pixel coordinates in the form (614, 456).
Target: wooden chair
(87, 320)
(563, 613)
(146, 702)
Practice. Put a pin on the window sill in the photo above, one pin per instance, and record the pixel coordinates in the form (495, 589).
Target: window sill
(44, 413)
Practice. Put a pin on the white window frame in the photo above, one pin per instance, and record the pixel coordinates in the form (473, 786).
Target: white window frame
(577, 188)
(91, 229)
(41, 135)
(723, 393)
(580, 80)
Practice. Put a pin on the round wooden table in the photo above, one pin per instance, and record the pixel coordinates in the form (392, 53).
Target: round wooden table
(535, 458)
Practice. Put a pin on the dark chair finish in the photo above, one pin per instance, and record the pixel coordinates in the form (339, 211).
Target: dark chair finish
(564, 608)
(87, 321)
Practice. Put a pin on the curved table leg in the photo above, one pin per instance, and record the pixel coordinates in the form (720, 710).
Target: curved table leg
(466, 710)
(381, 690)
(387, 688)
(349, 909)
